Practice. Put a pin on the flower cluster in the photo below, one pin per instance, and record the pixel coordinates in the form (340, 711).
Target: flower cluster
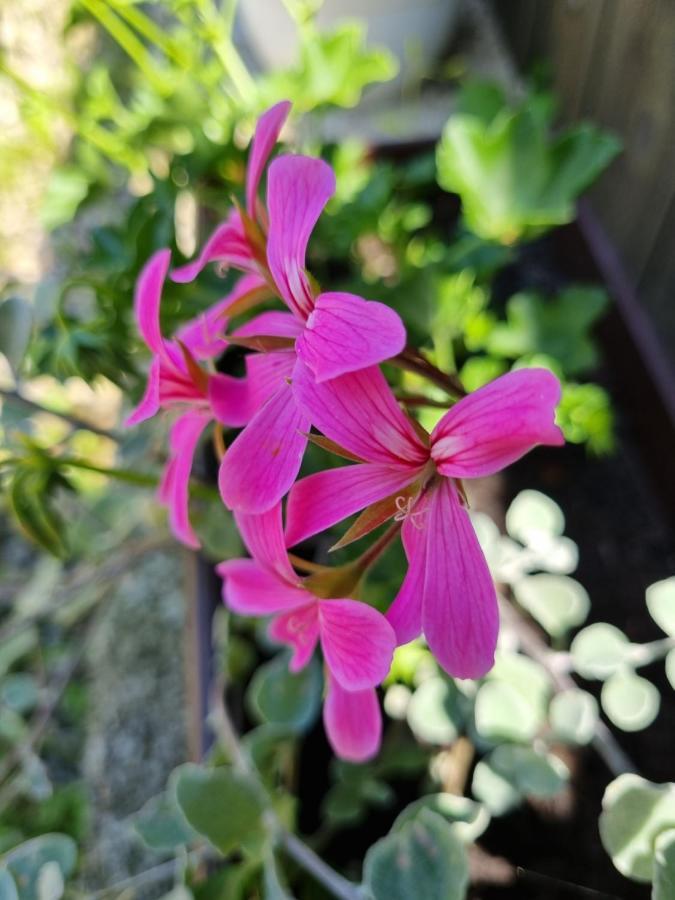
(316, 364)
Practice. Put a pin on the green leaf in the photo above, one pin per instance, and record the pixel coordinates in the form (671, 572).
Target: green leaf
(511, 704)
(664, 866)
(19, 692)
(434, 712)
(50, 883)
(67, 188)
(17, 646)
(661, 604)
(586, 417)
(528, 771)
(162, 825)
(574, 716)
(16, 323)
(26, 862)
(422, 859)
(280, 697)
(634, 812)
(514, 179)
(37, 518)
(224, 806)
(670, 668)
(494, 790)
(468, 818)
(8, 889)
(631, 702)
(532, 514)
(557, 602)
(555, 327)
(599, 650)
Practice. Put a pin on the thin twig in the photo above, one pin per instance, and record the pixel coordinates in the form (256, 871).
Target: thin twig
(303, 855)
(151, 876)
(74, 421)
(604, 742)
(413, 360)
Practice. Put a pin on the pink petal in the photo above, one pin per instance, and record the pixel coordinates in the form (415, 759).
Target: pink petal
(205, 336)
(298, 188)
(345, 333)
(263, 534)
(357, 643)
(148, 297)
(319, 501)
(498, 424)
(273, 322)
(230, 400)
(405, 613)
(228, 245)
(174, 491)
(251, 590)
(298, 629)
(149, 403)
(359, 412)
(460, 616)
(266, 135)
(267, 372)
(353, 722)
(262, 463)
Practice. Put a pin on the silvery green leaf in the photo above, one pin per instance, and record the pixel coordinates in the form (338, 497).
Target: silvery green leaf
(599, 650)
(631, 702)
(661, 604)
(557, 602)
(574, 716)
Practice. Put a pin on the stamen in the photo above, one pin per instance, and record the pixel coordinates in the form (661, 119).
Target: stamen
(404, 505)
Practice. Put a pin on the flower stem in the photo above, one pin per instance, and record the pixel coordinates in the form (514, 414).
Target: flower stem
(373, 553)
(413, 360)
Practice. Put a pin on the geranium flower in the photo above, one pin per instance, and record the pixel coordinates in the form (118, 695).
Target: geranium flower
(356, 640)
(176, 381)
(332, 333)
(234, 242)
(448, 592)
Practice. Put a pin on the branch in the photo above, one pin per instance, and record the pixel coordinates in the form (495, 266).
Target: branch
(75, 421)
(303, 855)
(413, 360)
(604, 742)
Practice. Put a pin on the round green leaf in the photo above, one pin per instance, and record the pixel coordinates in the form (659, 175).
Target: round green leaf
(634, 812)
(224, 806)
(631, 702)
(664, 866)
(162, 825)
(557, 602)
(530, 772)
(574, 715)
(661, 604)
(670, 668)
(511, 704)
(19, 692)
(423, 859)
(8, 889)
(26, 861)
(468, 818)
(280, 697)
(599, 650)
(532, 514)
(50, 883)
(494, 791)
(502, 713)
(434, 712)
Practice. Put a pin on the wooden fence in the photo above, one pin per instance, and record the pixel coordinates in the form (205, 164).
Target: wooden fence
(613, 61)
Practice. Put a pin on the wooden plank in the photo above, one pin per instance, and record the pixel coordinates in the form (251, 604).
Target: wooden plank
(574, 34)
(517, 18)
(657, 284)
(637, 102)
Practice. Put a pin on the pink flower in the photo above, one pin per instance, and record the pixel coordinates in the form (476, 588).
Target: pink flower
(331, 333)
(448, 592)
(356, 640)
(177, 382)
(230, 244)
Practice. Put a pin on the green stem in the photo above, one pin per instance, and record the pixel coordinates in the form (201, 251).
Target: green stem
(413, 360)
(127, 40)
(197, 489)
(149, 29)
(19, 399)
(232, 63)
